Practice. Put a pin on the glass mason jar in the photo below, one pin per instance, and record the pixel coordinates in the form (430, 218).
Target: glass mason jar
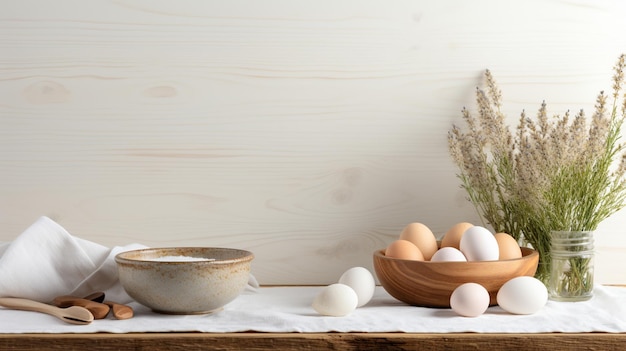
(571, 271)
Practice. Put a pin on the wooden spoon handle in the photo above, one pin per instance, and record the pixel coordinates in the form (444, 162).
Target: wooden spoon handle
(74, 315)
(99, 310)
(120, 311)
(26, 305)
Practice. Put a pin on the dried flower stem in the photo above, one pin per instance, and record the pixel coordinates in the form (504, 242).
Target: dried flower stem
(554, 173)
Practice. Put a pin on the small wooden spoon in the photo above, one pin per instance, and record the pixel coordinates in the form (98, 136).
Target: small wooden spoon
(97, 296)
(74, 314)
(99, 310)
(120, 311)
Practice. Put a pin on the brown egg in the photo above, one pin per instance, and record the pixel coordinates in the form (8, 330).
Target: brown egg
(509, 249)
(452, 238)
(405, 250)
(421, 236)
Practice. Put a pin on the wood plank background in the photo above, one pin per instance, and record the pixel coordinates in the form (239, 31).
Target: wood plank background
(309, 132)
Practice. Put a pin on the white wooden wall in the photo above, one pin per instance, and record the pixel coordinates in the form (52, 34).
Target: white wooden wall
(310, 132)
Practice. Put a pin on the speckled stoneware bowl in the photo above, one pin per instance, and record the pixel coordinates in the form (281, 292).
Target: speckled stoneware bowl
(184, 286)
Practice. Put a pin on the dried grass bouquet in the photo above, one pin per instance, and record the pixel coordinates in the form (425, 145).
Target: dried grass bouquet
(558, 172)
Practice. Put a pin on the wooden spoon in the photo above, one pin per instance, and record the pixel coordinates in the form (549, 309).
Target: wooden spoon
(120, 311)
(99, 310)
(97, 296)
(74, 314)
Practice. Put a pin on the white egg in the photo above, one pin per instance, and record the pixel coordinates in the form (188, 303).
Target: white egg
(449, 254)
(479, 244)
(361, 281)
(522, 295)
(469, 300)
(335, 300)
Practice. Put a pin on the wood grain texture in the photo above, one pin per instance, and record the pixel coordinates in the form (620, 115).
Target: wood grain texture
(323, 341)
(430, 284)
(308, 132)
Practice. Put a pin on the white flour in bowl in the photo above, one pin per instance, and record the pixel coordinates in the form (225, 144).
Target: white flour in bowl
(180, 258)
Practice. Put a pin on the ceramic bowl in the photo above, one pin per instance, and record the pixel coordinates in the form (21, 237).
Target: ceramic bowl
(430, 284)
(184, 286)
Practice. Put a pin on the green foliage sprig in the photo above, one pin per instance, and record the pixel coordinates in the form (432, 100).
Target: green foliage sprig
(558, 172)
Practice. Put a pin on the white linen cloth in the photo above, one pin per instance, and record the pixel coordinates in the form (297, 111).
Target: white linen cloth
(45, 261)
(288, 309)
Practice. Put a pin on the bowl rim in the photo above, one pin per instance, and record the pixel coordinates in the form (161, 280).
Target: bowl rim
(530, 253)
(246, 255)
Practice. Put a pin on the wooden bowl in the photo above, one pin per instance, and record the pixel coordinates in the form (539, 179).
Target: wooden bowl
(430, 284)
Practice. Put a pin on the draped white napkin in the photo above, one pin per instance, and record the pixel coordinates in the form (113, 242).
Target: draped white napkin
(45, 261)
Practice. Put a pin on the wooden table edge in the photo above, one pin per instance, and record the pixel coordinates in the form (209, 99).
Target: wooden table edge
(314, 341)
